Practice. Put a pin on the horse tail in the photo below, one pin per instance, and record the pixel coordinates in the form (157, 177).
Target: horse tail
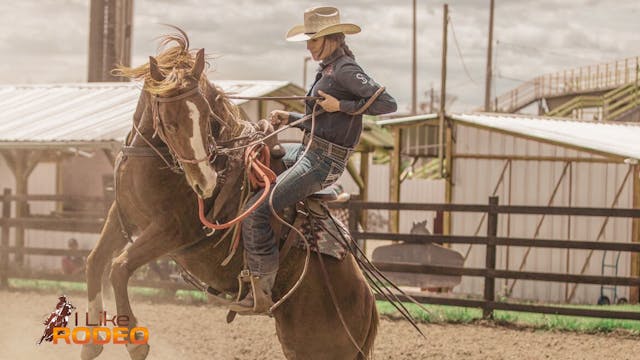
(367, 347)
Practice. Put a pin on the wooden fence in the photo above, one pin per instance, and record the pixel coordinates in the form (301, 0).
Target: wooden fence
(488, 303)
(80, 222)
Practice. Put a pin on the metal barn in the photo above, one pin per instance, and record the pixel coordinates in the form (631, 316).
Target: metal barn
(536, 161)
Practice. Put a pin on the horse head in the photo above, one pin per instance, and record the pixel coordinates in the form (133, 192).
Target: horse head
(181, 117)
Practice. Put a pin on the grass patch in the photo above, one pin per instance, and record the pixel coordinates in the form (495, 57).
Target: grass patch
(136, 292)
(439, 314)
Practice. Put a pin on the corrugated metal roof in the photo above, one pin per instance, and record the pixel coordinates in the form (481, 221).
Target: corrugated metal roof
(375, 136)
(617, 139)
(89, 112)
(407, 120)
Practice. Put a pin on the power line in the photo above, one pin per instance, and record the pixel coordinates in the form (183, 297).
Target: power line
(464, 66)
(544, 51)
(498, 75)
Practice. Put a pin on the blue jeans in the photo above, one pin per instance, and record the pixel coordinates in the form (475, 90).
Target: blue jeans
(315, 171)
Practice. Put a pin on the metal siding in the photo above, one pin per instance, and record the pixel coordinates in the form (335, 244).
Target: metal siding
(594, 185)
(619, 139)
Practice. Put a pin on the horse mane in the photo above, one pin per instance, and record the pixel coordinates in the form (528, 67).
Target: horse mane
(175, 62)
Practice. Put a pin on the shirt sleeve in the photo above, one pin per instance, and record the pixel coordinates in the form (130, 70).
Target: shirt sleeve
(354, 79)
(293, 116)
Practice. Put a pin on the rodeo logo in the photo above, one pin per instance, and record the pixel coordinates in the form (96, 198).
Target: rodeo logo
(56, 328)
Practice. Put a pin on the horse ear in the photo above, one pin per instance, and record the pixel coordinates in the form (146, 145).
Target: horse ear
(154, 70)
(198, 67)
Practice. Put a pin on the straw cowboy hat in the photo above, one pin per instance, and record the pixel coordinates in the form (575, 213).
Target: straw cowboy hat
(320, 21)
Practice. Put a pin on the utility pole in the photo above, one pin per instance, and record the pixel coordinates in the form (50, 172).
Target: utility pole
(487, 89)
(431, 99)
(109, 38)
(443, 88)
(414, 66)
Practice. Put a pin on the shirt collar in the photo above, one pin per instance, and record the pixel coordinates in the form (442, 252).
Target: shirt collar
(338, 53)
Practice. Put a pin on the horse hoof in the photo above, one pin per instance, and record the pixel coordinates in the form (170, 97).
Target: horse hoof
(138, 351)
(90, 351)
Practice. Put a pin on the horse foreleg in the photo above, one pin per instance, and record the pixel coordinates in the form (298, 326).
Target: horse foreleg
(111, 241)
(154, 242)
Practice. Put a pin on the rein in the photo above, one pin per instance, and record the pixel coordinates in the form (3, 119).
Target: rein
(257, 159)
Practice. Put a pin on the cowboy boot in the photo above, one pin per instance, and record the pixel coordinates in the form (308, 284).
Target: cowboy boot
(258, 299)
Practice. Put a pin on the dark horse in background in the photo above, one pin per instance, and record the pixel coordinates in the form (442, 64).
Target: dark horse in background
(159, 207)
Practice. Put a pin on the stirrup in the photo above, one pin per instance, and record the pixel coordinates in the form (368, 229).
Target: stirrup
(258, 293)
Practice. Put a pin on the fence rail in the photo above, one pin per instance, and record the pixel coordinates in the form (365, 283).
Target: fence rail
(488, 304)
(83, 224)
(489, 273)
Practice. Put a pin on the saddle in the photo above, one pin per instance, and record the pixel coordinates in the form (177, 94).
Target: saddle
(323, 232)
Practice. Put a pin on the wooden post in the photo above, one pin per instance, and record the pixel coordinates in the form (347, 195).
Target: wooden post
(22, 179)
(394, 179)
(448, 189)
(443, 88)
(634, 292)
(487, 86)
(364, 191)
(414, 67)
(490, 259)
(4, 254)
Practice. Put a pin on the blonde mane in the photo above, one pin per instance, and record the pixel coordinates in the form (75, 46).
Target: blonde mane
(175, 63)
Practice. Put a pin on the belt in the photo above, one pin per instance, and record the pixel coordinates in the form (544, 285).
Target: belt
(332, 149)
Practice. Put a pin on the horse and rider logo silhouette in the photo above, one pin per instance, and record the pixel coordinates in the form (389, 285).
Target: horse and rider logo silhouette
(56, 327)
(59, 318)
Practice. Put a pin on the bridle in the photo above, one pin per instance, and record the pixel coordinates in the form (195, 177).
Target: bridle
(159, 128)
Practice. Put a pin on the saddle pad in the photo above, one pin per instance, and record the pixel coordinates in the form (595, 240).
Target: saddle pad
(330, 235)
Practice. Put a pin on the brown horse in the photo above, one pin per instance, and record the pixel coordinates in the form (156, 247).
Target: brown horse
(188, 116)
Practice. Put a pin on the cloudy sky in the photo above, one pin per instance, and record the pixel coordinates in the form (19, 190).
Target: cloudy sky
(46, 41)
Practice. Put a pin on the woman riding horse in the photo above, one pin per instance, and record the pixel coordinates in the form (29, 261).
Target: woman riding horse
(347, 92)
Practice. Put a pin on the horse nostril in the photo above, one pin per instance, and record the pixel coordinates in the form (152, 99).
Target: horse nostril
(198, 190)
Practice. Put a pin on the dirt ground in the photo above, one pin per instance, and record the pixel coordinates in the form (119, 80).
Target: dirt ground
(179, 331)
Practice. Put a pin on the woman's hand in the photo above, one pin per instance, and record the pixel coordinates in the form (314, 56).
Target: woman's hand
(278, 117)
(329, 104)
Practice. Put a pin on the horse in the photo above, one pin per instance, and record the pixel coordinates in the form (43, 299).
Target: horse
(167, 159)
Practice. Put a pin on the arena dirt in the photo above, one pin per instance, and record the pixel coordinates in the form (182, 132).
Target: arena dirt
(179, 331)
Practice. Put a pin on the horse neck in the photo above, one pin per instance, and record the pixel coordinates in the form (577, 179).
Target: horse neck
(225, 111)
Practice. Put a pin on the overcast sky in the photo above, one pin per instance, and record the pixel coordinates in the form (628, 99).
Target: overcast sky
(46, 41)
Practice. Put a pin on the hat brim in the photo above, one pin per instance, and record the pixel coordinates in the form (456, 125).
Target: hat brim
(297, 33)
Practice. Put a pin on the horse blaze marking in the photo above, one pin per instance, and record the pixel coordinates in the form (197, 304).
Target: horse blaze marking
(101, 335)
(196, 142)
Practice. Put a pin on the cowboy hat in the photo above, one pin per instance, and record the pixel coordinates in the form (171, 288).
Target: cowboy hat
(318, 22)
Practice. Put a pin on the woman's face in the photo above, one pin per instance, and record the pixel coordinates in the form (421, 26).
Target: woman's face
(320, 48)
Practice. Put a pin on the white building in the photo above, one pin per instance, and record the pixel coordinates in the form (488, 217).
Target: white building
(535, 161)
